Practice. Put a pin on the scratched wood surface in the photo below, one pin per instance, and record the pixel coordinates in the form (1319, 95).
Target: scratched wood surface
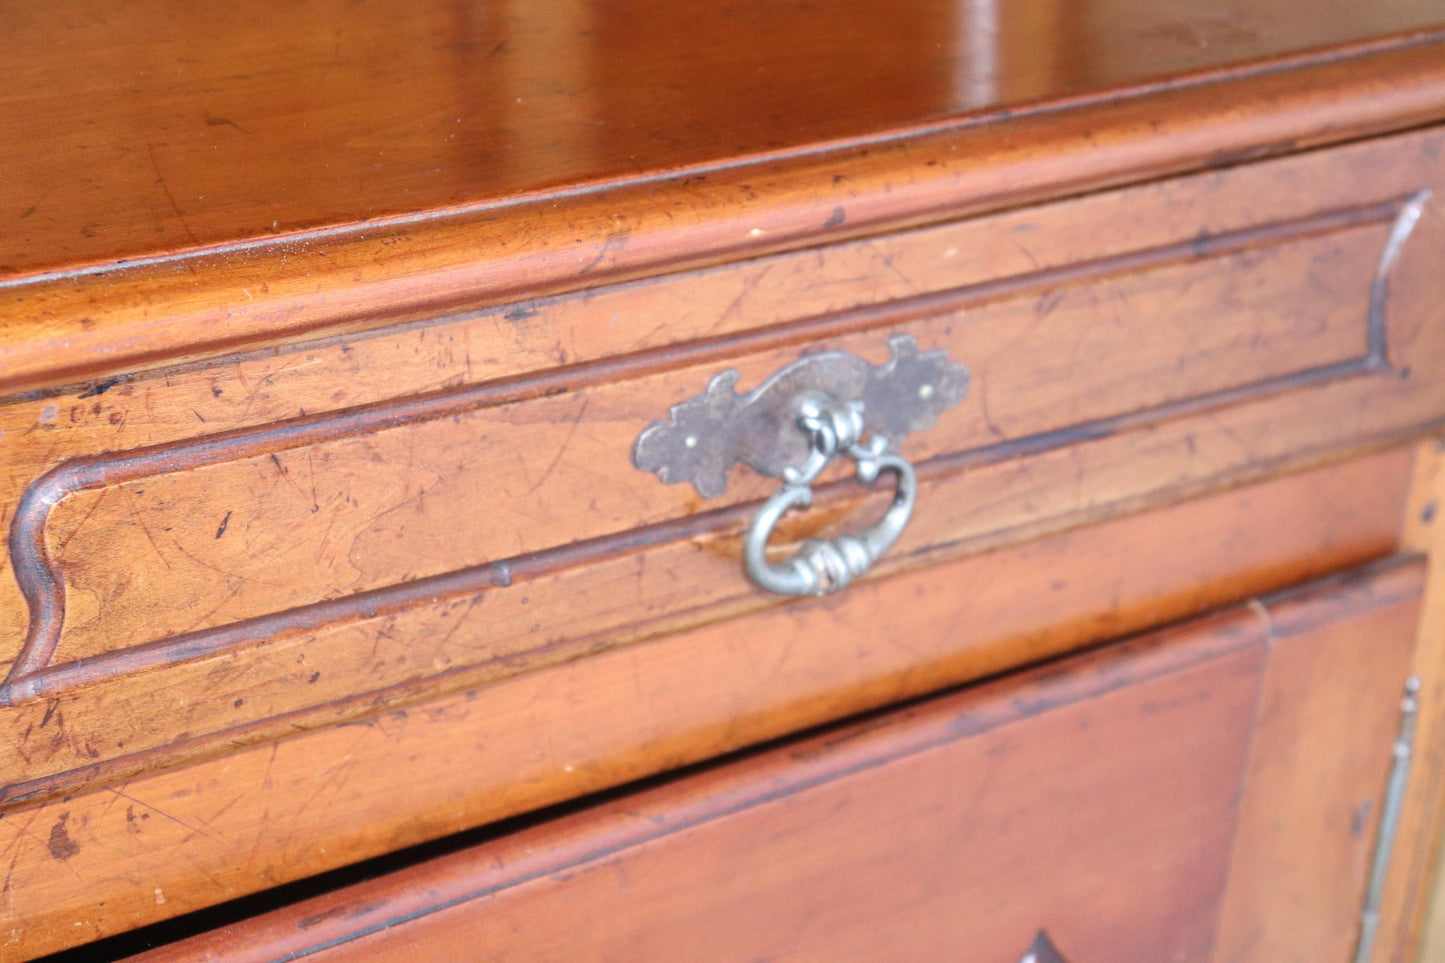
(316, 413)
(279, 545)
(1117, 802)
(342, 166)
(244, 820)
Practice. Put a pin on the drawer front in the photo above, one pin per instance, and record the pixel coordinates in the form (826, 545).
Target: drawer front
(1205, 793)
(287, 541)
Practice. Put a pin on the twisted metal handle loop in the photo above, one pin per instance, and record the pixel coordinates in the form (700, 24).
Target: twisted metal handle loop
(823, 566)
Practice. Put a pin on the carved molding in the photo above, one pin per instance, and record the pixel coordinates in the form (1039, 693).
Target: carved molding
(34, 671)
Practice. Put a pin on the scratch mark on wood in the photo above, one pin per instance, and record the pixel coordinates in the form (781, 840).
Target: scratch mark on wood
(562, 449)
(161, 812)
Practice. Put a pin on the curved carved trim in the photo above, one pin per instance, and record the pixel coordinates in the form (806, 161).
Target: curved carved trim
(33, 674)
(1400, 231)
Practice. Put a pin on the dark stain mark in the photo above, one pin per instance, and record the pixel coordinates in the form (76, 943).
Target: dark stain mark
(225, 122)
(837, 218)
(62, 847)
(238, 703)
(132, 821)
(314, 677)
(49, 711)
(1047, 302)
(28, 211)
(1427, 514)
(1359, 819)
(500, 48)
(224, 522)
(215, 391)
(1227, 158)
(1405, 373)
(612, 245)
(1200, 245)
(839, 178)
(340, 912)
(520, 313)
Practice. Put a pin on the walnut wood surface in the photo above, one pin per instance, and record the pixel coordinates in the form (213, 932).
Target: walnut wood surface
(1095, 800)
(241, 821)
(342, 166)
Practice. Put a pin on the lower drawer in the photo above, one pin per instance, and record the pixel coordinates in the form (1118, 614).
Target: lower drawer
(1207, 792)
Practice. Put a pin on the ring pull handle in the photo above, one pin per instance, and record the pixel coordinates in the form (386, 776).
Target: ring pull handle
(824, 566)
(793, 425)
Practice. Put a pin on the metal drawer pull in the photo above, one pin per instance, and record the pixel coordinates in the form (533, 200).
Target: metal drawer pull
(824, 566)
(792, 426)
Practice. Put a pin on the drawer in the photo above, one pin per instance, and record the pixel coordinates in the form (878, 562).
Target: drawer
(1207, 792)
(428, 549)
(300, 538)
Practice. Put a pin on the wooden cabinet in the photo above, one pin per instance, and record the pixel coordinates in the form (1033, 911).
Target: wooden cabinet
(329, 359)
(1208, 791)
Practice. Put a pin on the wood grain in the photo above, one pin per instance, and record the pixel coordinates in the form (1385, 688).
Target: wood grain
(336, 113)
(366, 500)
(1309, 819)
(802, 293)
(1094, 799)
(192, 291)
(347, 535)
(973, 822)
(243, 820)
(323, 349)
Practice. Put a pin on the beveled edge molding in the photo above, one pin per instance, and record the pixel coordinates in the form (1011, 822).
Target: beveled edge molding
(34, 674)
(140, 316)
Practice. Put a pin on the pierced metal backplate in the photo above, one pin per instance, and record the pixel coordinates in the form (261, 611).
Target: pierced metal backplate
(705, 436)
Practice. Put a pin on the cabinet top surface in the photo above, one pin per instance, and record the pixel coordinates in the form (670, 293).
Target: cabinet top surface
(154, 127)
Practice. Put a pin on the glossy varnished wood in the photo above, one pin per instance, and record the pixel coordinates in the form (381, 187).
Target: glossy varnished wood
(132, 133)
(1094, 800)
(438, 190)
(324, 336)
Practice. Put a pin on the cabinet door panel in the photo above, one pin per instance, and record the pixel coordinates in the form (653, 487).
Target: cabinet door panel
(1114, 806)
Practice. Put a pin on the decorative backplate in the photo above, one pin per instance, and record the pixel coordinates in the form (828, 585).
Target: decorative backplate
(705, 436)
